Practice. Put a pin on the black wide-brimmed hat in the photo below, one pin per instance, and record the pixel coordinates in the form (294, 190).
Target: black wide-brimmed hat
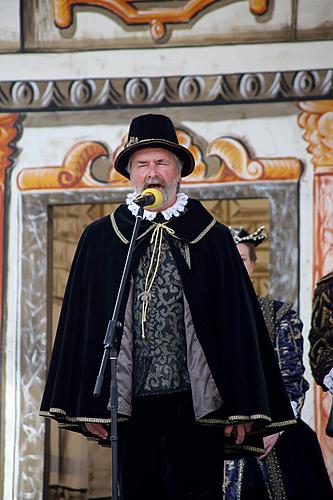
(240, 235)
(153, 131)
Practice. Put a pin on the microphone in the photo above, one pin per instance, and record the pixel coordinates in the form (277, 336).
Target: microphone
(149, 198)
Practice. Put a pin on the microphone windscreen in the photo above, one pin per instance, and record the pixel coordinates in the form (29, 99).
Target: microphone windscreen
(158, 196)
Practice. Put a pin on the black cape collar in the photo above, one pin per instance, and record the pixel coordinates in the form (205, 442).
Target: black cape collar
(190, 226)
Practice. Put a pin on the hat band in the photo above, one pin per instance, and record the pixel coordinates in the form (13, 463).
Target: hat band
(135, 141)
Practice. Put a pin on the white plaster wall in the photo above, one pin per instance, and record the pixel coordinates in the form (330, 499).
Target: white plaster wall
(9, 25)
(168, 61)
(309, 17)
(269, 130)
(46, 145)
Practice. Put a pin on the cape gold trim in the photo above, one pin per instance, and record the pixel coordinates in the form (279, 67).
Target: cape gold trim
(117, 230)
(67, 419)
(273, 425)
(235, 418)
(204, 232)
(152, 227)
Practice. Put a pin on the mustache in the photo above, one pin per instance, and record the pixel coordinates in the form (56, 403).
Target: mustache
(152, 180)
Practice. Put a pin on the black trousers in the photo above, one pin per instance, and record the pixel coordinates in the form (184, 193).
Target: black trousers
(165, 455)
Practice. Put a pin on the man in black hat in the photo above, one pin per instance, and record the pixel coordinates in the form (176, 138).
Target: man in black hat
(195, 365)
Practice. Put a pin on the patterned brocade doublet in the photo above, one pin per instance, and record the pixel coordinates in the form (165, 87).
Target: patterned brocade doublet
(159, 352)
(285, 329)
(321, 333)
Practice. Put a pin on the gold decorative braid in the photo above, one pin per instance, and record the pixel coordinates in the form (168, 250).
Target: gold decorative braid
(57, 411)
(274, 479)
(187, 255)
(274, 425)
(268, 311)
(151, 228)
(235, 418)
(204, 232)
(116, 229)
(120, 234)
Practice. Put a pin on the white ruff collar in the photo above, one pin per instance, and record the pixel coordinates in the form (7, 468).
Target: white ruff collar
(174, 211)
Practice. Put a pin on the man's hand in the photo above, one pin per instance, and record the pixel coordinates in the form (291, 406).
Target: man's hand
(269, 443)
(97, 429)
(238, 431)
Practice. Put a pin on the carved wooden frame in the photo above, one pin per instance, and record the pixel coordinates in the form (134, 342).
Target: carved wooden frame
(156, 18)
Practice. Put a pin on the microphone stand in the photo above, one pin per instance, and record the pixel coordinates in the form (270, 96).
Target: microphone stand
(111, 351)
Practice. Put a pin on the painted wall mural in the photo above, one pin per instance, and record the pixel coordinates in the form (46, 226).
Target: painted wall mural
(316, 118)
(226, 162)
(9, 134)
(42, 187)
(157, 17)
(235, 165)
(194, 90)
(116, 24)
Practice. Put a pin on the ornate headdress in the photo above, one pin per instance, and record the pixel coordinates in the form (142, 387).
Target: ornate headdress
(240, 235)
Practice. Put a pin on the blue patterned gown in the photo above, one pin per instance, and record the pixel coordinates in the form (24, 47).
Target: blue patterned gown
(285, 329)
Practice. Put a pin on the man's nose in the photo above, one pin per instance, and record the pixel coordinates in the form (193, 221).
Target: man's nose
(152, 168)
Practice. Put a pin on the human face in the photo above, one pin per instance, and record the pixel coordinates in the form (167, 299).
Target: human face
(244, 252)
(156, 168)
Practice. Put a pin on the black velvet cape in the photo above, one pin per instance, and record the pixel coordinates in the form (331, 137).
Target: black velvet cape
(225, 310)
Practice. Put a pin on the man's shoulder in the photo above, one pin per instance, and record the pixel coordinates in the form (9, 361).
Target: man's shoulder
(199, 206)
(221, 235)
(98, 231)
(98, 225)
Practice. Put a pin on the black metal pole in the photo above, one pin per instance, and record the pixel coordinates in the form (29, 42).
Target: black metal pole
(111, 351)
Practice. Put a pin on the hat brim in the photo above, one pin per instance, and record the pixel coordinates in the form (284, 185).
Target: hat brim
(186, 157)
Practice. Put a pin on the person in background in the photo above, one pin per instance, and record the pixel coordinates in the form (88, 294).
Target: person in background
(292, 466)
(321, 333)
(195, 365)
